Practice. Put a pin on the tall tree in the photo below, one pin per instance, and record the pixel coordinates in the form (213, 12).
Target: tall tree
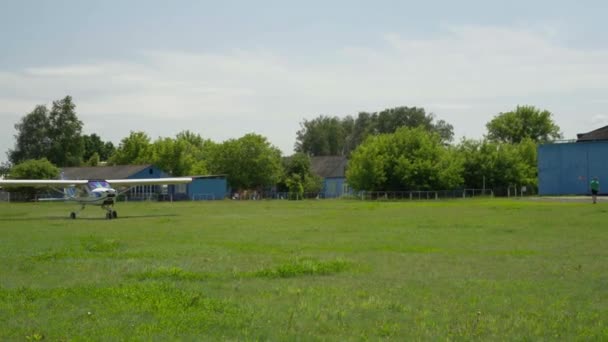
(525, 122)
(32, 138)
(191, 138)
(409, 159)
(108, 150)
(176, 156)
(498, 165)
(185, 155)
(334, 136)
(196, 151)
(389, 120)
(134, 149)
(5, 169)
(65, 133)
(297, 170)
(93, 144)
(93, 160)
(321, 136)
(250, 162)
(363, 126)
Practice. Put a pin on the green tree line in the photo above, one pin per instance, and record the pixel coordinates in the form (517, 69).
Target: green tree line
(403, 148)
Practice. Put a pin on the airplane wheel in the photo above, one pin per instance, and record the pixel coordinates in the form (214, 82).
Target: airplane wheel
(108, 215)
(114, 214)
(73, 215)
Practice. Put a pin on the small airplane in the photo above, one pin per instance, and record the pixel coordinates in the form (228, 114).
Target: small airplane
(92, 192)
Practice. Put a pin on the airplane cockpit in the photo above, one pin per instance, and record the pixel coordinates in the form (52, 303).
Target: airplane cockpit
(97, 184)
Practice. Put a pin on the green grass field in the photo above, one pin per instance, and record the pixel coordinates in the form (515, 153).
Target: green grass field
(309, 270)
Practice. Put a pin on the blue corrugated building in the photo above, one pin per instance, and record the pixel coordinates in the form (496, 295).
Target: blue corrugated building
(207, 188)
(567, 168)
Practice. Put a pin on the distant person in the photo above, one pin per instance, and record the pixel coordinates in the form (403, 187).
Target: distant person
(595, 188)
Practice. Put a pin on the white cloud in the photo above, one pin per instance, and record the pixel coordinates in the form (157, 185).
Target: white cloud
(465, 76)
(599, 120)
(69, 71)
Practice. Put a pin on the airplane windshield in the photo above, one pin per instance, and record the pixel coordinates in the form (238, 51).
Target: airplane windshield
(98, 184)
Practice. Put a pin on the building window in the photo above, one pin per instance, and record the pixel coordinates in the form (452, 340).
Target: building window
(180, 188)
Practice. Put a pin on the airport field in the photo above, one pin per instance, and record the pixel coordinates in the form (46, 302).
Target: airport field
(488, 269)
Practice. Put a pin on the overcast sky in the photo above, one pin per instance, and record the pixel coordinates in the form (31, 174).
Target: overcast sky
(226, 68)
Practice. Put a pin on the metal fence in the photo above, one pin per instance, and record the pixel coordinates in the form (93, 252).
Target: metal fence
(203, 197)
(138, 197)
(6, 196)
(423, 195)
(513, 191)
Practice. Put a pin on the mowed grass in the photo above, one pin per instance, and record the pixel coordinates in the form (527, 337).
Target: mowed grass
(310, 270)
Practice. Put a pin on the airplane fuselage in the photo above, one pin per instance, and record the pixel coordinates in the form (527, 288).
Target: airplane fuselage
(98, 196)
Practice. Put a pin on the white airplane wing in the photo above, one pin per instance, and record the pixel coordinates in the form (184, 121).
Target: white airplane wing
(149, 181)
(41, 182)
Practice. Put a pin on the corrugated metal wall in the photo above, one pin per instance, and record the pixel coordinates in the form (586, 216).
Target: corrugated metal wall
(208, 188)
(567, 169)
(333, 187)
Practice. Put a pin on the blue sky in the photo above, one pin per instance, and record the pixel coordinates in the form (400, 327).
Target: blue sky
(223, 69)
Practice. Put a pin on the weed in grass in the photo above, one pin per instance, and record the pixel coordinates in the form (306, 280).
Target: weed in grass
(52, 255)
(387, 329)
(468, 326)
(96, 244)
(303, 267)
(36, 336)
(25, 294)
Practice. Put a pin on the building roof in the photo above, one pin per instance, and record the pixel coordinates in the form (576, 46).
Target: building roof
(598, 134)
(329, 166)
(102, 172)
(208, 177)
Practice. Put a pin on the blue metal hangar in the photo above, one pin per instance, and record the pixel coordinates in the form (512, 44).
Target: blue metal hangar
(567, 168)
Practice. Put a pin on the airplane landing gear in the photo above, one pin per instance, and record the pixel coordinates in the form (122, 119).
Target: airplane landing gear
(73, 213)
(111, 215)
